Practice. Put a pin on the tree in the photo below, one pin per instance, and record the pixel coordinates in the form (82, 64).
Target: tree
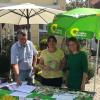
(77, 3)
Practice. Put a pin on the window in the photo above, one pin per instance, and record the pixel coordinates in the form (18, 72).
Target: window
(55, 2)
(41, 26)
(20, 27)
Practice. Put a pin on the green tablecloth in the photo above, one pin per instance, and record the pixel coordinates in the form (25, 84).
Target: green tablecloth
(44, 97)
(4, 95)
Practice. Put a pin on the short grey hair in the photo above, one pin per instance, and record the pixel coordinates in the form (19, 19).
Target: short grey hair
(24, 33)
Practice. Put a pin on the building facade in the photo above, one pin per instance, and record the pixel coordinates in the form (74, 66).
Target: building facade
(95, 3)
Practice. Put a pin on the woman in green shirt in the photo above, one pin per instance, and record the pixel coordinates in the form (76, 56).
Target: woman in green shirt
(77, 65)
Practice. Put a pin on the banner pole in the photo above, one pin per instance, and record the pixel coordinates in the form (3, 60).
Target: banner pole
(96, 65)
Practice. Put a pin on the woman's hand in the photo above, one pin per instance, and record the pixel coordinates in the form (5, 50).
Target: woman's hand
(83, 81)
(45, 67)
(82, 86)
(55, 65)
(57, 68)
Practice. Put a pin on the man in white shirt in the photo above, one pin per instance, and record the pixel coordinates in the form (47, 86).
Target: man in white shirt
(23, 55)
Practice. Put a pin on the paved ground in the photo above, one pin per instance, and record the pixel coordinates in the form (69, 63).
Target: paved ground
(89, 87)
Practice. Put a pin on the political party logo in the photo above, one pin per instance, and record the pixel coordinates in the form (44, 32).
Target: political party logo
(74, 31)
(53, 28)
(98, 35)
(97, 14)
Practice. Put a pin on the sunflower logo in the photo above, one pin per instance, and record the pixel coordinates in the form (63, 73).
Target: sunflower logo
(97, 14)
(74, 31)
(7, 97)
(54, 27)
(98, 35)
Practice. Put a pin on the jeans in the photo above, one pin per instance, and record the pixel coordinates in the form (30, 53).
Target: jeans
(24, 74)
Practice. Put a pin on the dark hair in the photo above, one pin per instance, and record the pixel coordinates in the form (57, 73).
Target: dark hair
(73, 39)
(52, 37)
(21, 33)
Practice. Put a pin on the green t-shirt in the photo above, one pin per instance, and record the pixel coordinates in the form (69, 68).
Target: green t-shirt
(76, 64)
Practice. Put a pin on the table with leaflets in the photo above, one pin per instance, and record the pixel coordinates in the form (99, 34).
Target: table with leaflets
(27, 92)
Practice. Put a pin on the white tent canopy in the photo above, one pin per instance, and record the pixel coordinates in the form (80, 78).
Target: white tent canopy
(19, 14)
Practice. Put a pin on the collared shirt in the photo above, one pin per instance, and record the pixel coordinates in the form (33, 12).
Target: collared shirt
(23, 55)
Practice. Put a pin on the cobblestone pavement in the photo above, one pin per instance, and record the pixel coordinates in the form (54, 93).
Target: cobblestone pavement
(89, 87)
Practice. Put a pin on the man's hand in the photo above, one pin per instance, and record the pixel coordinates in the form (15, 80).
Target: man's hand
(18, 82)
(16, 73)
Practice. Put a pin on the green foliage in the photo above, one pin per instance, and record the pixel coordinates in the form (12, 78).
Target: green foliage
(37, 47)
(43, 41)
(76, 3)
(7, 43)
(5, 57)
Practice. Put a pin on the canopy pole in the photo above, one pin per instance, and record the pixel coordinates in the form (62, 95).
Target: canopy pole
(96, 65)
(1, 42)
(28, 25)
(88, 3)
